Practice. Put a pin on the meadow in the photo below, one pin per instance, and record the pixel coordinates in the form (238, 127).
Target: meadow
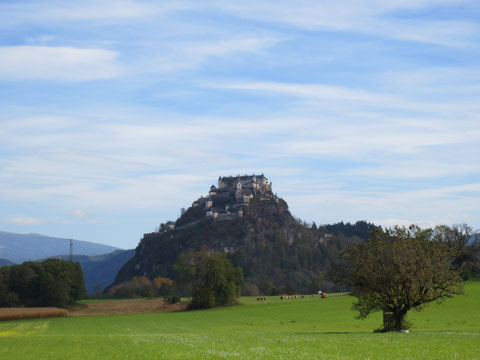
(310, 328)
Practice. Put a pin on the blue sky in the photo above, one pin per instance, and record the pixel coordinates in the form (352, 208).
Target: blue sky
(115, 114)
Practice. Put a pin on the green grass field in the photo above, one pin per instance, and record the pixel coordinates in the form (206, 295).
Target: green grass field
(309, 328)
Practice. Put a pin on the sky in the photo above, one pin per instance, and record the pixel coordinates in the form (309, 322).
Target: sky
(116, 114)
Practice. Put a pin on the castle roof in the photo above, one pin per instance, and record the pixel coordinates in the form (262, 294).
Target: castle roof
(242, 177)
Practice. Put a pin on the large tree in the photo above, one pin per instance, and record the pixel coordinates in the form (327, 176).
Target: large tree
(213, 279)
(397, 270)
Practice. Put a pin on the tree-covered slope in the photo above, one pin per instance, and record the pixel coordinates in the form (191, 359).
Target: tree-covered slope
(268, 243)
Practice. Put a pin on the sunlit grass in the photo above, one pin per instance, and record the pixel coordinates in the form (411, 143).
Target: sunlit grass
(309, 328)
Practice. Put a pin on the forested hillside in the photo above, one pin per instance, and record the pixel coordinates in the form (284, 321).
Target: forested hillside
(275, 251)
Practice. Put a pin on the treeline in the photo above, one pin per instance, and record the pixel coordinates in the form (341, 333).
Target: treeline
(360, 229)
(53, 282)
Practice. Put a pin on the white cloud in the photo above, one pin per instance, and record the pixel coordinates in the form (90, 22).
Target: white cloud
(57, 63)
(107, 9)
(312, 91)
(373, 17)
(40, 39)
(426, 207)
(349, 100)
(388, 223)
(61, 11)
(22, 220)
(188, 54)
(79, 213)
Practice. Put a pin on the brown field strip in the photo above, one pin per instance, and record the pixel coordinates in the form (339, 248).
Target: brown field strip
(93, 308)
(124, 307)
(29, 313)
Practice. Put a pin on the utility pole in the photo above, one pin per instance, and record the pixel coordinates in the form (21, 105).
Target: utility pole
(71, 250)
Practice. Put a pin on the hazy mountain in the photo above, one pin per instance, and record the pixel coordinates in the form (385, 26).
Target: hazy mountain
(99, 271)
(6, 262)
(24, 247)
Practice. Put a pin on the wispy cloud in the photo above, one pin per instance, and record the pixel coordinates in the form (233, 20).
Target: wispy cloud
(180, 55)
(21, 220)
(354, 109)
(57, 63)
(370, 17)
(61, 11)
(79, 213)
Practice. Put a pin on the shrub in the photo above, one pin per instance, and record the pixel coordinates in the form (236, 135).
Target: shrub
(172, 299)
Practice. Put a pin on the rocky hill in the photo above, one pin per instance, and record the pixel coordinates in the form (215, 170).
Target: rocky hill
(260, 235)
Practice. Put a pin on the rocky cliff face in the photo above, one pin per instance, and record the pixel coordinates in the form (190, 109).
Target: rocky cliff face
(267, 242)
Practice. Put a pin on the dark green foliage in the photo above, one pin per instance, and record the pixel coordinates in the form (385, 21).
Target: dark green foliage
(7, 297)
(123, 292)
(360, 229)
(398, 270)
(172, 299)
(191, 215)
(52, 282)
(465, 245)
(165, 290)
(290, 288)
(213, 279)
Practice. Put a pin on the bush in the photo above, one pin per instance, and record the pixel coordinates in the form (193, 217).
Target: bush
(249, 289)
(138, 286)
(172, 299)
(123, 292)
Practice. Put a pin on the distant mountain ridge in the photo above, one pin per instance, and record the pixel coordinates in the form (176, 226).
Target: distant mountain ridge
(6, 262)
(29, 247)
(99, 271)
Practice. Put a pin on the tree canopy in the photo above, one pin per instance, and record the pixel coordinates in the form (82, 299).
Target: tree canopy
(213, 279)
(397, 270)
(52, 282)
(465, 245)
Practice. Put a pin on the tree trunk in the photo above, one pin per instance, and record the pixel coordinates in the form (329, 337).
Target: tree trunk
(388, 320)
(394, 320)
(399, 318)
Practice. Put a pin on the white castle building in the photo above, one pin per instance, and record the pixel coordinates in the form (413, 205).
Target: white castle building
(228, 200)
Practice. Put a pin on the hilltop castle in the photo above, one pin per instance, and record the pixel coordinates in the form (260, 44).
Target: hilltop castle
(228, 200)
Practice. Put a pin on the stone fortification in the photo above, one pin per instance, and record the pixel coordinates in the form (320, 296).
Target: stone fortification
(226, 201)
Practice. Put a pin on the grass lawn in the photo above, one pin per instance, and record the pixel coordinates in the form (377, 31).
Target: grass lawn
(310, 328)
